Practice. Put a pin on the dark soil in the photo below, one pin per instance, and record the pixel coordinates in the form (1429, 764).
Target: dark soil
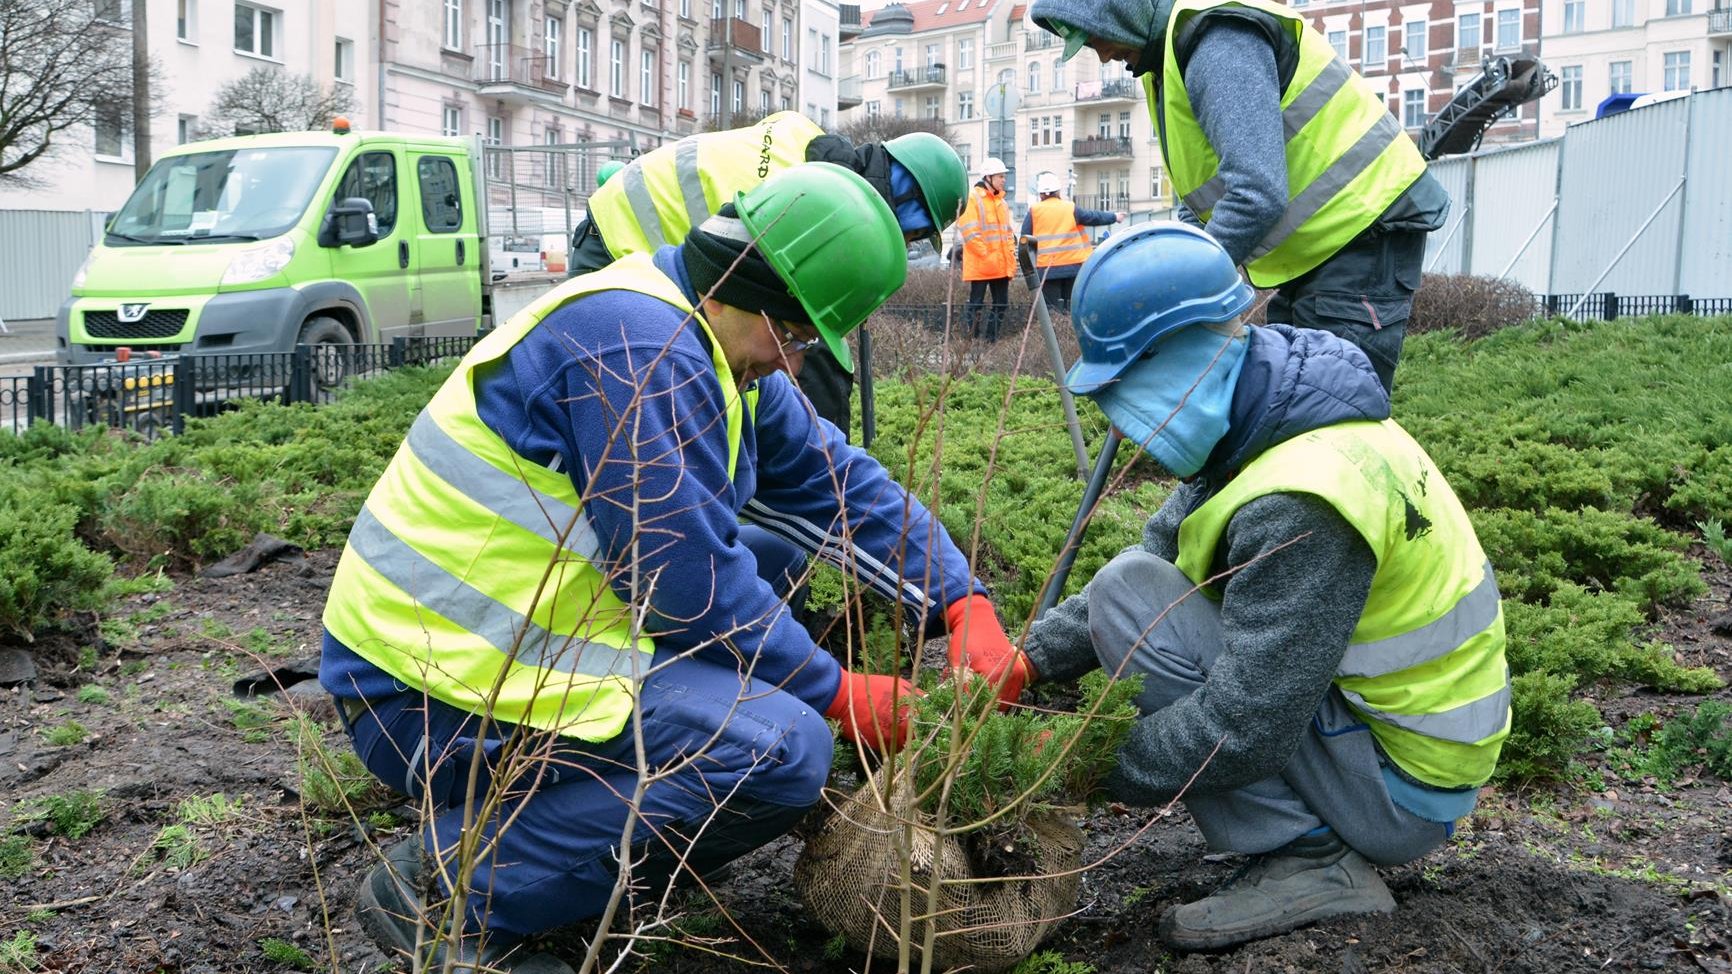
(1628, 876)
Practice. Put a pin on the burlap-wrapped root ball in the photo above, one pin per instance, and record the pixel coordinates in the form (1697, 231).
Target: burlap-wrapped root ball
(850, 877)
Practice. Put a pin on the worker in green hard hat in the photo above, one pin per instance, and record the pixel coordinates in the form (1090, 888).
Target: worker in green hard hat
(606, 171)
(559, 548)
(661, 194)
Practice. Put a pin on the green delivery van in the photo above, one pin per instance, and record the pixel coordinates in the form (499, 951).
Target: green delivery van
(255, 244)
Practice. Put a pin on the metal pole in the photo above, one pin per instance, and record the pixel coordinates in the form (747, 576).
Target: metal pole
(1450, 236)
(1529, 241)
(1079, 526)
(1031, 277)
(1627, 245)
(868, 401)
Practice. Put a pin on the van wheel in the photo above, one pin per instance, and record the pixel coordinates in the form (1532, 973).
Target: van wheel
(332, 350)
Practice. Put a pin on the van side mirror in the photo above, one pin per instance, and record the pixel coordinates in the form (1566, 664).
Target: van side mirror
(351, 223)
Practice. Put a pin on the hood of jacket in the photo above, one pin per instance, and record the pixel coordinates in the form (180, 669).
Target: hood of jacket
(1140, 24)
(1294, 380)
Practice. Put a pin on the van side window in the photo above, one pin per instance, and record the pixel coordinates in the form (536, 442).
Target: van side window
(441, 200)
(374, 176)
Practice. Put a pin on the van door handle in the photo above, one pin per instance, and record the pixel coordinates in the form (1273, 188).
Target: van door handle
(402, 253)
(460, 253)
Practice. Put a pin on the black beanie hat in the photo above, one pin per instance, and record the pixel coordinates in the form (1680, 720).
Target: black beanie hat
(753, 285)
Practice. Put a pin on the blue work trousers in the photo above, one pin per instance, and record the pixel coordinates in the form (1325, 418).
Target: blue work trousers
(762, 759)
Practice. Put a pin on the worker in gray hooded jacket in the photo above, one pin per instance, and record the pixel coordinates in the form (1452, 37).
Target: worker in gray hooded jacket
(1282, 152)
(1319, 633)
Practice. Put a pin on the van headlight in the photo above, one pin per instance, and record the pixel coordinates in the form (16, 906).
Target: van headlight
(83, 271)
(261, 262)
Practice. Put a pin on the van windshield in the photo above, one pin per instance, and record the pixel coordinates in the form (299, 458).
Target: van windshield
(221, 197)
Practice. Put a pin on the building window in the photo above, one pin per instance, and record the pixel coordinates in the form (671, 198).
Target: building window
(933, 58)
(1124, 125)
(1677, 71)
(788, 39)
(1467, 34)
(715, 94)
(764, 102)
(186, 20)
(255, 31)
(1338, 40)
(1158, 178)
(1719, 67)
(898, 106)
(933, 107)
(684, 93)
(824, 55)
(739, 100)
(823, 116)
(965, 106)
(872, 109)
(451, 121)
(454, 24)
(495, 136)
(343, 61)
(1571, 88)
(965, 53)
(1034, 77)
(1509, 30)
(616, 69)
(555, 161)
(896, 59)
(1623, 13)
(1677, 8)
(647, 79)
(186, 129)
(585, 66)
(1413, 37)
(767, 36)
(966, 154)
(1058, 130)
(1622, 74)
(812, 50)
(1376, 49)
(1105, 128)
(1034, 132)
(686, 9)
(1575, 13)
(1057, 76)
(874, 64)
(551, 40)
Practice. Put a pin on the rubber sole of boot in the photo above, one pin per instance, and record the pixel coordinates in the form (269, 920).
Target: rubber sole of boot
(383, 913)
(1323, 906)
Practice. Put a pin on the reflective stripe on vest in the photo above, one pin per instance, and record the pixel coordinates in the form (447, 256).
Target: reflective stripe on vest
(1348, 158)
(660, 196)
(473, 573)
(1060, 240)
(1425, 664)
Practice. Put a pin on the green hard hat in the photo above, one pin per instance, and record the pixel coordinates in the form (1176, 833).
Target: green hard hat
(937, 170)
(606, 171)
(833, 240)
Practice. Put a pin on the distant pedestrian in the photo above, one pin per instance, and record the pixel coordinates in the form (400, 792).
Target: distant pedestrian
(988, 250)
(1055, 225)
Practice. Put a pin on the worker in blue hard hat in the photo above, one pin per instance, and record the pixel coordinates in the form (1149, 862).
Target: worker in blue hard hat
(1281, 151)
(1319, 633)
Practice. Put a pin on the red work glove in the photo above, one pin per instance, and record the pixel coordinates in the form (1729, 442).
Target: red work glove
(873, 710)
(978, 642)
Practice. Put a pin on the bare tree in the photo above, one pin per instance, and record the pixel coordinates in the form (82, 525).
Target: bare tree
(63, 64)
(883, 128)
(272, 100)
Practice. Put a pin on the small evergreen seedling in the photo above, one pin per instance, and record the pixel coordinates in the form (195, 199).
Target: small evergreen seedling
(286, 954)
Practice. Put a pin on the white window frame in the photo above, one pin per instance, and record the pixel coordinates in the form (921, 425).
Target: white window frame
(1379, 63)
(767, 37)
(1057, 76)
(739, 96)
(451, 121)
(585, 58)
(788, 39)
(1503, 46)
(1674, 62)
(873, 108)
(647, 77)
(1629, 77)
(1678, 8)
(1577, 23)
(272, 36)
(964, 53)
(874, 64)
(343, 60)
(454, 25)
(1034, 73)
(1477, 19)
(1411, 31)
(1570, 88)
(552, 47)
(1623, 13)
(965, 106)
(186, 22)
(683, 93)
(1338, 41)
(616, 68)
(122, 135)
(824, 51)
(186, 129)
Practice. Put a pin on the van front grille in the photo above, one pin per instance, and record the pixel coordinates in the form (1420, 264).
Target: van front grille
(166, 323)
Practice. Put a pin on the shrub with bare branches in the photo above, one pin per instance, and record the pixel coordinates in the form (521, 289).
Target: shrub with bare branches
(1470, 304)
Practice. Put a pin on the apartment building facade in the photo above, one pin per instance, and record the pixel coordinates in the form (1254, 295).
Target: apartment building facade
(1608, 47)
(980, 66)
(1421, 54)
(200, 45)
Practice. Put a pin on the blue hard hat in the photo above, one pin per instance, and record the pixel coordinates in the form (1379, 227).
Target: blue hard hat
(1142, 284)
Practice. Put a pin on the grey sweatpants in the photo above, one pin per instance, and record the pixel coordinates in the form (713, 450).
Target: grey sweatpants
(1333, 779)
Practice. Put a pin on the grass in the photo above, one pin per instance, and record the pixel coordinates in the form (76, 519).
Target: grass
(15, 856)
(71, 815)
(251, 719)
(209, 811)
(1051, 962)
(92, 694)
(287, 954)
(19, 953)
(66, 735)
(333, 781)
(178, 846)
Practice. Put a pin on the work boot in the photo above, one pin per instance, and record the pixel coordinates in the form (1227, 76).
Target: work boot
(1311, 878)
(392, 911)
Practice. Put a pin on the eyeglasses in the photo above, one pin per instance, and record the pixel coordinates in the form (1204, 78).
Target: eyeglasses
(791, 345)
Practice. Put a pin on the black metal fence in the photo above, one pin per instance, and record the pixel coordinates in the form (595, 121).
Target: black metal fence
(150, 396)
(1610, 305)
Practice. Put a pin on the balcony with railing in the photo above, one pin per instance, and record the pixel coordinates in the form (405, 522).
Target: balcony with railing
(1100, 149)
(931, 76)
(514, 73)
(1720, 20)
(1038, 40)
(1002, 51)
(848, 16)
(741, 36)
(1111, 204)
(850, 91)
(1104, 92)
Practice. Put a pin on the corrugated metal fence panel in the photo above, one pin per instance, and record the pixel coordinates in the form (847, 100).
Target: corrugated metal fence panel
(1446, 249)
(1615, 173)
(1513, 190)
(1705, 267)
(40, 250)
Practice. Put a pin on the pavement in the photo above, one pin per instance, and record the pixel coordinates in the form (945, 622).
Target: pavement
(27, 342)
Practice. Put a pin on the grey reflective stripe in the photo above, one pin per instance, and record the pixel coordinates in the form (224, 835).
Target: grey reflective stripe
(1060, 250)
(1329, 183)
(1471, 614)
(492, 620)
(511, 498)
(691, 180)
(1298, 114)
(1056, 236)
(1469, 723)
(1308, 104)
(643, 205)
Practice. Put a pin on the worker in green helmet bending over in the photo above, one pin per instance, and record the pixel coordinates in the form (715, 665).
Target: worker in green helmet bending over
(559, 545)
(662, 194)
(1319, 633)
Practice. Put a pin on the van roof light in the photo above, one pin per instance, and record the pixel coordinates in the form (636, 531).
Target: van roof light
(339, 125)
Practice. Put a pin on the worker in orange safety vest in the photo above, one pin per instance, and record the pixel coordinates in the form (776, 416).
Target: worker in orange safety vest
(1055, 226)
(988, 250)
